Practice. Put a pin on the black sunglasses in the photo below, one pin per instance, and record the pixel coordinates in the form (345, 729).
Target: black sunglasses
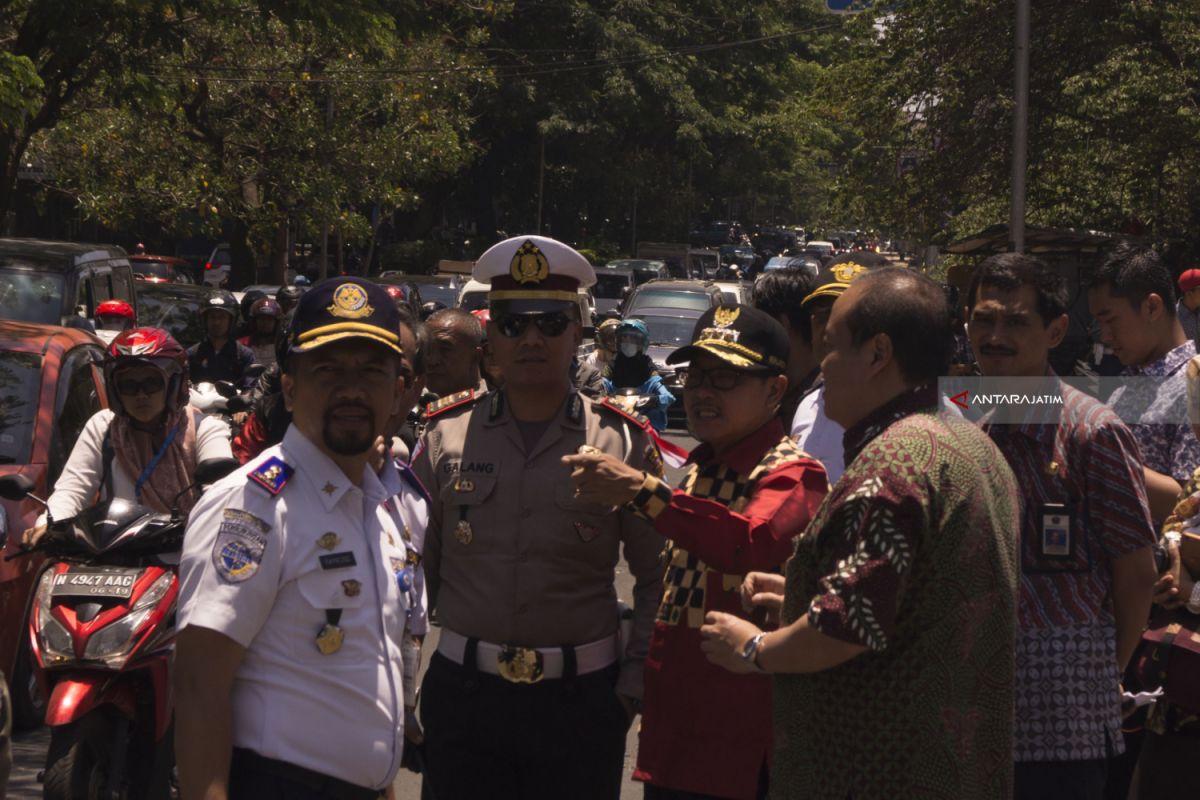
(551, 324)
(152, 385)
(721, 379)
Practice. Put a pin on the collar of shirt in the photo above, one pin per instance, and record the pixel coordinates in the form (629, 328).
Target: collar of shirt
(1169, 364)
(744, 456)
(570, 415)
(920, 398)
(1040, 419)
(1181, 310)
(326, 477)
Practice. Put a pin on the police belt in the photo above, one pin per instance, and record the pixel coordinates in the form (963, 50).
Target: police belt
(529, 664)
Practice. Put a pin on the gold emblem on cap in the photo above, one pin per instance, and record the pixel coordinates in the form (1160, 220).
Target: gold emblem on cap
(529, 264)
(350, 302)
(846, 271)
(328, 541)
(724, 316)
(352, 588)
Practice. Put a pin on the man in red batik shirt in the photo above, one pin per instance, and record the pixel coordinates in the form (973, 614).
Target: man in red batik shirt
(706, 732)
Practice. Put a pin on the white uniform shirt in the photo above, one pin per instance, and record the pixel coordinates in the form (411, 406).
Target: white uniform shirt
(76, 487)
(818, 435)
(252, 569)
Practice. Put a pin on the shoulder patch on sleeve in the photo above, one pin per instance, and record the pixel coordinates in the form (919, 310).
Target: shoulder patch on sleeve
(239, 546)
(635, 418)
(450, 401)
(272, 474)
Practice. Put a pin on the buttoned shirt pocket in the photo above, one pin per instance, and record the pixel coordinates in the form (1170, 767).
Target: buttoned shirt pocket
(587, 522)
(463, 515)
(335, 588)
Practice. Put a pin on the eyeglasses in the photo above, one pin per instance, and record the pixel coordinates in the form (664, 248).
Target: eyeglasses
(721, 379)
(152, 385)
(552, 324)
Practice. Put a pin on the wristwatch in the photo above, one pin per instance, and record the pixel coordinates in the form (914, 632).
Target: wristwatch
(1193, 603)
(750, 650)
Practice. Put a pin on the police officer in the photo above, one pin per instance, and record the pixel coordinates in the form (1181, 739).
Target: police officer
(297, 579)
(531, 690)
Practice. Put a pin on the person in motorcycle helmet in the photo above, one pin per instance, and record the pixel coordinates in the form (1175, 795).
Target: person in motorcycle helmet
(631, 367)
(146, 445)
(115, 316)
(288, 297)
(265, 322)
(219, 356)
(606, 345)
(429, 308)
(246, 326)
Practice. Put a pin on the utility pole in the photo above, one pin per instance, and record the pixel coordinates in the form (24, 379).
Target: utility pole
(1016, 220)
(633, 220)
(541, 178)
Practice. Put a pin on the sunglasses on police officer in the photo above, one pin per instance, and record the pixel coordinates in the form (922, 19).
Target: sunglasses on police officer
(551, 324)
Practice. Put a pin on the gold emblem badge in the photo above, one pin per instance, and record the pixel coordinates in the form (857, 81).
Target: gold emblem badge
(328, 541)
(520, 664)
(329, 488)
(465, 485)
(352, 588)
(529, 264)
(330, 639)
(724, 316)
(407, 534)
(463, 532)
(350, 302)
(846, 271)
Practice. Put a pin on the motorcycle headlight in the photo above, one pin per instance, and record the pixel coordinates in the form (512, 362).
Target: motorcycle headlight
(55, 639)
(113, 643)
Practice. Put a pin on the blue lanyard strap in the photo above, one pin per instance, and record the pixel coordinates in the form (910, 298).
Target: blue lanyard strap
(149, 470)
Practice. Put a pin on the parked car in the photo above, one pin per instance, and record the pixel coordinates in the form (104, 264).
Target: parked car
(175, 307)
(713, 234)
(439, 288)
(689, 295)
(403, 293)
(52, 386)
(793, 262)
(734, 292)
(218, 266)
(739, 256)
(820, 249)
(644, 269)
(160, 269)
(50, 282)
(613, 285)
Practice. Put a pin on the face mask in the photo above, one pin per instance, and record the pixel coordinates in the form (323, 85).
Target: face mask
(629, 349)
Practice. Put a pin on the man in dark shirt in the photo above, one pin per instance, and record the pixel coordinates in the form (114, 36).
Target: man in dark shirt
(219, 357)
(781, 294)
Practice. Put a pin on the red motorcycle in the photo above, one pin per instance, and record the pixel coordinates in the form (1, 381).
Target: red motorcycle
(102, 632)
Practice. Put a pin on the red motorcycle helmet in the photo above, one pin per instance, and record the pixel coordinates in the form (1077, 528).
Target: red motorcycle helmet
(152, 346)
(115, 308)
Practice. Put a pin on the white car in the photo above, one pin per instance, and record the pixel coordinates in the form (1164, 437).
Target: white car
(218, 266)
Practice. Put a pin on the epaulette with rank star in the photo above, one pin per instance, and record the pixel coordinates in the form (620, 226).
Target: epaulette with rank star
(634, 417)
(444, 404)
(272, 474)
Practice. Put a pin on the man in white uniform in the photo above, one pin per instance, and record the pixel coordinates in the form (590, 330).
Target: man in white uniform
(297, 580)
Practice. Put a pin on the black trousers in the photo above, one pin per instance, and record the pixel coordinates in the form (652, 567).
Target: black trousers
(252, 777)
(1061, 780)
(488, 738)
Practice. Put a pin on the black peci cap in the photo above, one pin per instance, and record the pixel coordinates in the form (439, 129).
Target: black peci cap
(344, 308)
(742, 335)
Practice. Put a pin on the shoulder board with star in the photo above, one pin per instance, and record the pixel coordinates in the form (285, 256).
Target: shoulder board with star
(272, 474)
(635, 418)
(444, 404)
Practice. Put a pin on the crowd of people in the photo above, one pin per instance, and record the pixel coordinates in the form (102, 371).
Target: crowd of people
(855, 591)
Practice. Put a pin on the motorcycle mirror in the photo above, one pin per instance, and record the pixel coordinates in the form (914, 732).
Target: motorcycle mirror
(254, 371)
(225, 389)
(213, 469)
(15, 487)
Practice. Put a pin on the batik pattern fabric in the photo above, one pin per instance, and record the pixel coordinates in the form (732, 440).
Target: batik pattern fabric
(913, 557)
(1156, 412)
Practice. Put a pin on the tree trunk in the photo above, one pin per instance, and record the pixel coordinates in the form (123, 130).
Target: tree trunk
(279, 253)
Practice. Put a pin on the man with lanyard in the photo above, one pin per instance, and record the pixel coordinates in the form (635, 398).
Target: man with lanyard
(1086, 568)
(749, 492)
(219, 356)
(531, 691)
(297, 579)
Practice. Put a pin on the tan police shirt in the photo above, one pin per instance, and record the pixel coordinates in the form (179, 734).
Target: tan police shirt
(511, 557)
